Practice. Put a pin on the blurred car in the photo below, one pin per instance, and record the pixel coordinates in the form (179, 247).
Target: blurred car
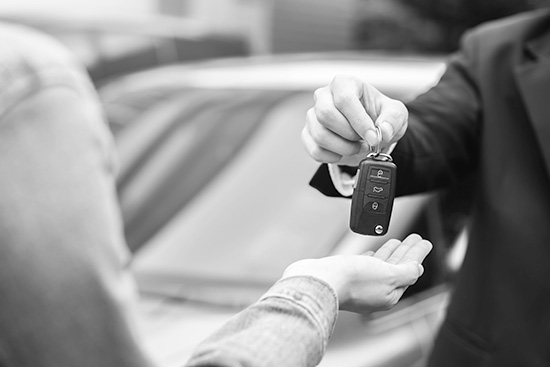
(214, 192)
(111, 44)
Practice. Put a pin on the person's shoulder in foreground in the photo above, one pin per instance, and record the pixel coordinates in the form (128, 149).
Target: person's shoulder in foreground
(30, 61)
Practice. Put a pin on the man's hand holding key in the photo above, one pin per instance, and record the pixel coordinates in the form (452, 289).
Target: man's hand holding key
(340, 128)
(353, 124)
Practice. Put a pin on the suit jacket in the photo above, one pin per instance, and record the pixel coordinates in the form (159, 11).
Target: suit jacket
(489, 116)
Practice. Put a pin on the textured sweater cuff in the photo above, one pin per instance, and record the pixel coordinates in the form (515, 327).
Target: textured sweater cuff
(315, 296)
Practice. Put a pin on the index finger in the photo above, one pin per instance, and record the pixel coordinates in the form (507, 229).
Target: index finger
(417, 252)
(330, 117)
(387, 249)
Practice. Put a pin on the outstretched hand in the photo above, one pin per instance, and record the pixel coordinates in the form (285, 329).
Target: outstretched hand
(372, 281)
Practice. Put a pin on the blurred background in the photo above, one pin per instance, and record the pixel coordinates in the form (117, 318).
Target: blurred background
(206, 100)
(99, 31)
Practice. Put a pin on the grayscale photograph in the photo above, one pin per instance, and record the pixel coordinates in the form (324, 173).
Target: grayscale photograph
(274, 183)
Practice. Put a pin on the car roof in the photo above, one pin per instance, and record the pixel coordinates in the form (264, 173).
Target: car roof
(388, 72)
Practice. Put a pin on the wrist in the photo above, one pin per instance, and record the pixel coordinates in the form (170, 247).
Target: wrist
(338, 278)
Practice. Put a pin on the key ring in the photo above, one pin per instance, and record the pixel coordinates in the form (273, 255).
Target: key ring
(380, 157)
(377, 149)
(376, 153)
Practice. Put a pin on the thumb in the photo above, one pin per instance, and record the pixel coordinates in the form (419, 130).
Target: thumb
(392, 120)
(408, 273)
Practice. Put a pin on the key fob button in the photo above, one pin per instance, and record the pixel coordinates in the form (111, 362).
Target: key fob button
(379, 174)
(373, 196)
(375, 206)
(377, 189)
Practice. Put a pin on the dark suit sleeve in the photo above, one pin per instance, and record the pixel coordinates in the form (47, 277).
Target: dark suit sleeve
(441, 143)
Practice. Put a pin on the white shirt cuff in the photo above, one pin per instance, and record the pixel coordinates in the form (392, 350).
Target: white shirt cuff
(342, 181)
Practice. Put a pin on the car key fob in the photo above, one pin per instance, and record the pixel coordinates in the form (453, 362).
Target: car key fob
(373, 194)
